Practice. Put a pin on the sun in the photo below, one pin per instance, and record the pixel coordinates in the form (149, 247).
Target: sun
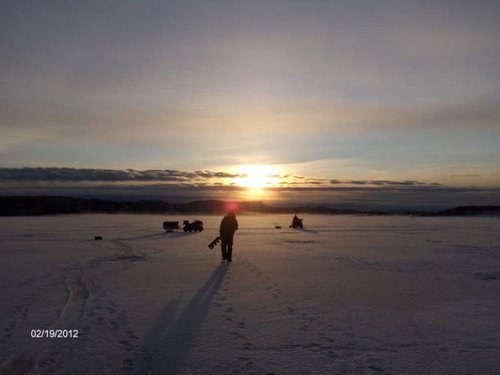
(257, 176)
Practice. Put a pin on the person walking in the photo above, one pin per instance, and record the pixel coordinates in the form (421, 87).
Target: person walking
(228, 226)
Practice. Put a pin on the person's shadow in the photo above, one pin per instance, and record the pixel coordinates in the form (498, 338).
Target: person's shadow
(169, 343)
(306, 230)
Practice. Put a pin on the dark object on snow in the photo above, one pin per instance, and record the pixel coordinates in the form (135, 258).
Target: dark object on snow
(170, 226)
(296, 222)
(195, 226)
(212, 244)
(277, 227)
(97, 238)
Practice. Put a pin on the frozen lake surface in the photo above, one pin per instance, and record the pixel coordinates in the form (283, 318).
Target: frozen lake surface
(348, 294)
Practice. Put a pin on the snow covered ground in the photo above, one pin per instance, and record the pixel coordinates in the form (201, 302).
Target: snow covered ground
(348, 294)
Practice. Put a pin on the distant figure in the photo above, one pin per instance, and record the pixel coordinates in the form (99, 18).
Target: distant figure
(296, 222)
(228, 226)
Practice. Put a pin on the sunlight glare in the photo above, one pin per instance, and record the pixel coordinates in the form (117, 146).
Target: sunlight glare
(258, 176)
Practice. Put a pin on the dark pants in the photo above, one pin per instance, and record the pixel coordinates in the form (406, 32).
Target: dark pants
(227, 248)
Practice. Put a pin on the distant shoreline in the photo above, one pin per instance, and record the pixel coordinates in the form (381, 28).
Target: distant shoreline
(56, 205)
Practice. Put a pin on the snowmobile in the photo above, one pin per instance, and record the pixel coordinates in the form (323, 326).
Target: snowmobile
(195, 226)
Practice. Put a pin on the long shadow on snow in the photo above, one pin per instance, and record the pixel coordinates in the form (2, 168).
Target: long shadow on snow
(156, 236)
(305, 230)
(143, 237)
(170, 346)
(180, 234)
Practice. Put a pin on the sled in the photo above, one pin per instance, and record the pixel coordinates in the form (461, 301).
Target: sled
(170, 226)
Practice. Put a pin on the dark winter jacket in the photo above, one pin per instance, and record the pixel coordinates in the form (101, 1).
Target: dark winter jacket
(228, 226)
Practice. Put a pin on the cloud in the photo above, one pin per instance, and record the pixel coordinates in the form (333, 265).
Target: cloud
(361, 196)
(108, 175)
(186, 73)
(384, 183)
(181, 185)
(181, 178)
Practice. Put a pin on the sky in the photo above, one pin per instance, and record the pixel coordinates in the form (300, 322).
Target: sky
(347, 101)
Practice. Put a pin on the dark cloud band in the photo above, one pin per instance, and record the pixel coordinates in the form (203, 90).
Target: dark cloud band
(384, 183)
(107, 175)
(186, 178)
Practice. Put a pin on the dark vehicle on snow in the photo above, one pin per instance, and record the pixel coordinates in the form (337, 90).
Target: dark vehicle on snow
(195, 226)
